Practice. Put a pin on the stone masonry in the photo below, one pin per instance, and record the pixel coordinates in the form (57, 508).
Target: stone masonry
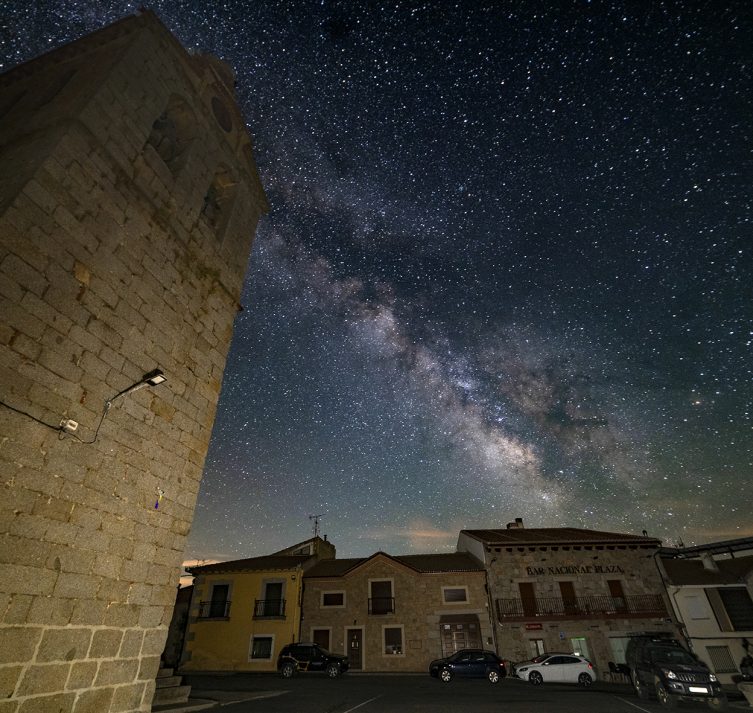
(128, 201)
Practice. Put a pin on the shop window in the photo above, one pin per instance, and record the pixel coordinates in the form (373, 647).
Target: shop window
(580, 647)
(536, 647)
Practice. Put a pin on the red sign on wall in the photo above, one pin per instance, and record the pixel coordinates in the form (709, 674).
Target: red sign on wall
(534, 627)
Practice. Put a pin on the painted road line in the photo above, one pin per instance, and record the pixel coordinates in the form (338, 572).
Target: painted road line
(361, 704)
(645, 710)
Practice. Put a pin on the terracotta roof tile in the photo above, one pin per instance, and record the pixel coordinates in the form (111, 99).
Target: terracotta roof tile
(449, 562)
(252, 564)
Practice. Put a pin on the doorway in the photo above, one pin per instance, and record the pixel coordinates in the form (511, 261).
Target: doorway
(354, 648)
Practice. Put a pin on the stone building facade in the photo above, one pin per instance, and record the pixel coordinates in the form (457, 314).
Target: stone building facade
(396, 613)
(128, 201)
(570, 590)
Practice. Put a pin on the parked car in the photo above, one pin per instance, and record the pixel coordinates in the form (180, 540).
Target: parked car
(305, 657)
(556, 667)
(469, 663)
(660, 665)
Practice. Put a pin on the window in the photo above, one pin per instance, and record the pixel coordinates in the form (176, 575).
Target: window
(381, 600)
(455, 595)
(733, 608)
(272, 603)
(721, 659)
(393, 640)
(218, 606)
(333, 599)
(261, 648)
(739, 607)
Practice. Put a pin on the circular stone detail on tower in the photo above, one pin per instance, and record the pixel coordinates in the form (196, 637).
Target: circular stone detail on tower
(222, 114)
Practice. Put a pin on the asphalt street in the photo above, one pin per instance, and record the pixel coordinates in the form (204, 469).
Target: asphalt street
(417, 694)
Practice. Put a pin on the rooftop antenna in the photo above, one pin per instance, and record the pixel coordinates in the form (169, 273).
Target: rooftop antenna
(315, 518)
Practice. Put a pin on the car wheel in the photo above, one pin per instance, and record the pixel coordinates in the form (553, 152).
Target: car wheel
(333, 670)
(493, 676)
(445, 675)
(719, 703)
(585, 680)
(535, 678)
(640, 690)
(287, 670)
(664, 696)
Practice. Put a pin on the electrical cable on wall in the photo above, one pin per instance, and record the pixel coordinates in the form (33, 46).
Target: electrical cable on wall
(67, 427)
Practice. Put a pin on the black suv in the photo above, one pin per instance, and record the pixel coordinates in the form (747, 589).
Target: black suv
(310, 657)
(662, 665)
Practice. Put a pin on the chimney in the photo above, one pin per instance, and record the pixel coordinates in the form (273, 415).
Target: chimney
(517, 525)
(708, 562)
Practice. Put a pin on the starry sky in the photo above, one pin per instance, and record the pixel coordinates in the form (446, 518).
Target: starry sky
(506, 273)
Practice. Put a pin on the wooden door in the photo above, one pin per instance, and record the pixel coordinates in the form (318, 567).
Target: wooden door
(355, 650)
(617, 594)
(528, 598)
(569, 602)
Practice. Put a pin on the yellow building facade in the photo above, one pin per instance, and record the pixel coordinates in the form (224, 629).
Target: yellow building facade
(244, 611)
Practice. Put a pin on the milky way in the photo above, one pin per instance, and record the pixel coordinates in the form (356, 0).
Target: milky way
(507, 269)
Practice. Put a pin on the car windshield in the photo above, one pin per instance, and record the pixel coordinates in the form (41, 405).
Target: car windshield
(666, 654)
(324, 651)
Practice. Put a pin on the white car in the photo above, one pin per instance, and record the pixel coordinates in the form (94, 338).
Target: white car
(562, 668)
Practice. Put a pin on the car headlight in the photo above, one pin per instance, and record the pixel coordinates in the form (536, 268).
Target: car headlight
(713, 678)
(671, 675)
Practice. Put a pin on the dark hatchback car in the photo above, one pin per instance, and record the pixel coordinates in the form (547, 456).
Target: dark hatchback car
(662, 666)
(469, 663)
(305, 657)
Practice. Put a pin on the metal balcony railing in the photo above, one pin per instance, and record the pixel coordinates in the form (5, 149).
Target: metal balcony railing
(582, 607)
(382, 605)
(214, 610)
(269, 609)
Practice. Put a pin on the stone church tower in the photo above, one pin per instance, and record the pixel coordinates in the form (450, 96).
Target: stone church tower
(128, 201)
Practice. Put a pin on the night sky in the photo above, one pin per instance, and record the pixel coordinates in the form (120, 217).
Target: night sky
(507, 270)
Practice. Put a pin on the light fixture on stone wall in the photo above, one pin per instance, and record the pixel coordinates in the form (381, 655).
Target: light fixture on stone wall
(153, 378)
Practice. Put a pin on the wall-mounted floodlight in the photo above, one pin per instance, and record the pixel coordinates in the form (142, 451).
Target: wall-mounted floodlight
(153, 378)
(68, 426)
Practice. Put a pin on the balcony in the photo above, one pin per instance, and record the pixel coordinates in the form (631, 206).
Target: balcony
(269, 609)
(214, 610)
(382, 605)
(593, 607)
